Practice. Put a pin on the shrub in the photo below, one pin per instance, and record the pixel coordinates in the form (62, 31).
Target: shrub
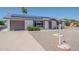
(2, 23)
(33, 28)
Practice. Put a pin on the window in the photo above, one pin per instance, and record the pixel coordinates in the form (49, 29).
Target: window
(38, 23)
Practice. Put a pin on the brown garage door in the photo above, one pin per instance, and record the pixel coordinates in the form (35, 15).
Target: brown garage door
(17, 25)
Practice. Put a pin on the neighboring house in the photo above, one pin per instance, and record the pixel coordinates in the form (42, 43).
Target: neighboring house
(72, 24)
(21, 22)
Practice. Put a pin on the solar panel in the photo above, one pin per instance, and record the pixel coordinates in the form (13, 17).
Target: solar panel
(27, 16)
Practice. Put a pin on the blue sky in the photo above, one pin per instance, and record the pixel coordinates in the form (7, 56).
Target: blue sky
(55, 12)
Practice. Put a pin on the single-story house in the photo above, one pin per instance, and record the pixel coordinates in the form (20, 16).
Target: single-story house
(21, 22)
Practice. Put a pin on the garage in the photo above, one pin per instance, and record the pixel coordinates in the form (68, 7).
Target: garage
(16, 25)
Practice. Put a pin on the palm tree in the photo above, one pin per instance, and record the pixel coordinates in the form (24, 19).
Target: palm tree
(24, 10)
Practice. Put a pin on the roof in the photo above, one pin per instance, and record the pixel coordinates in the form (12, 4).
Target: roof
(23, 16)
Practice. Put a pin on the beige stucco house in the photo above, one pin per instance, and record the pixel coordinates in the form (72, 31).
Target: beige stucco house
(21, 22)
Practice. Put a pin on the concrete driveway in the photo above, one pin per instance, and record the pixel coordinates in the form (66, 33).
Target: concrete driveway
(18, 40)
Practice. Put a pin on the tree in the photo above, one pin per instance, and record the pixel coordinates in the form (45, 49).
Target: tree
(24, 10)
(67, 21)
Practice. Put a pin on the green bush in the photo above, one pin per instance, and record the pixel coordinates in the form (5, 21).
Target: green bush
(33, 28)
(2, 23)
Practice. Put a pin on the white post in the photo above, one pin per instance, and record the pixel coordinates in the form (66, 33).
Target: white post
(59, 34)
(46, 25)
(61, 44)
(8, 25)
(25, 24)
